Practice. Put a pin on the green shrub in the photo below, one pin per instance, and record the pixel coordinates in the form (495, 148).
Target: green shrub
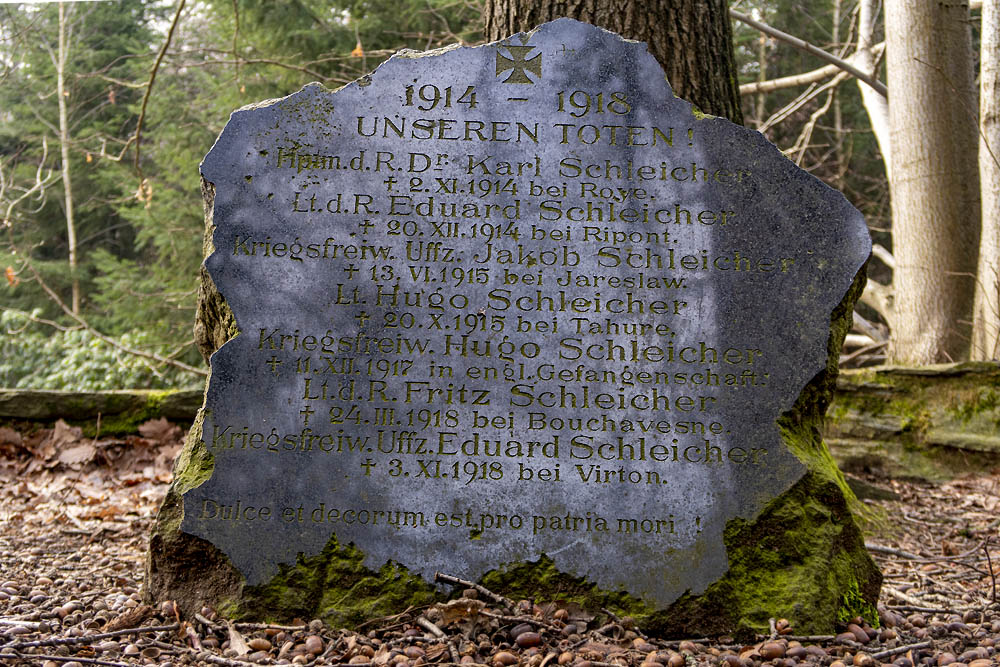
(38, 357)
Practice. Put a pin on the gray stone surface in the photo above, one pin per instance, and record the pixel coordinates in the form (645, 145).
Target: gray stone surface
(667, 295)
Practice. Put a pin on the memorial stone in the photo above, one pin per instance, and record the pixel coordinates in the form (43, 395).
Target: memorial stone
(517, 313)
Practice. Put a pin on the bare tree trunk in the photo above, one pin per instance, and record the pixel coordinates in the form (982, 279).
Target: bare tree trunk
(838, 117)
(64, 149)
(759, 111)
(934, 181)
(986, 320)
(876, 105)
(692, 39)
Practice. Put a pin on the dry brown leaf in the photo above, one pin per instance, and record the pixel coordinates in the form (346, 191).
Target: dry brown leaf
(236, 641)
(462, 609)
(63, 434)
(9, 436)
(160, 430)
(130, 619)
(81, 453)
(103, 513)
(596, 649)
(383, 655)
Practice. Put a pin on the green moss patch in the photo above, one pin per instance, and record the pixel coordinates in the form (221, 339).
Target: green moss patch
(335, 586)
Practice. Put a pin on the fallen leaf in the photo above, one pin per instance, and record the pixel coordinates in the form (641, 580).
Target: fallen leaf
(236, 641)
(82, 453)
(9, 436)
(130, 619)
(160, 430)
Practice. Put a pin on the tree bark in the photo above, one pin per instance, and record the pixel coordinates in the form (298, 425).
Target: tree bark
(692, 39)
(934, 181)
(986, 318)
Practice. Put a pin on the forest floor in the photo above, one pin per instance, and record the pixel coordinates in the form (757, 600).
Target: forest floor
(75, 514)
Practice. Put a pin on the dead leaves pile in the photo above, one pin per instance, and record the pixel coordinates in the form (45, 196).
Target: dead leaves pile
(58, 476)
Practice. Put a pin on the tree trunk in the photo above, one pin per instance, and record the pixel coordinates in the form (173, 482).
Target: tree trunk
(64, 149)
(875, 104)
(934, 181)
(986, 319)
(692, 39)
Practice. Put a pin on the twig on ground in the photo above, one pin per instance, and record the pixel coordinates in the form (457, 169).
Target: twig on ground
(455, 581)
(205, 656)
(270, 626)
(921, 609)
(878, 548)
(31, 625)
(207, 623)
(86, 639)
(900, 595)
(899, 649)
(674, 643)
(63, 658)
(989, 562)
(439, 633)
(192, 636)
(430, 627)
(520, 619)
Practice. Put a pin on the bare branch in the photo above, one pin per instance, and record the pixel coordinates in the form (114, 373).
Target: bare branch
(884, 255)
(796, 80)
(870, 329)
(107, 339)
(149, 89)
(797, 103)
(37, 188)
(815, 50)
(879, 298)
(802, 143)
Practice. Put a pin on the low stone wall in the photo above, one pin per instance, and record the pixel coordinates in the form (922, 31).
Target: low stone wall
(933, 422)
(118, 411)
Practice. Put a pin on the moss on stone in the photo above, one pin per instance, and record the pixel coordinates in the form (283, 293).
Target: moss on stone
(803, 557)
(194, 465)
(335, 586)
(130, 417)
(800, 559)
(541, 580)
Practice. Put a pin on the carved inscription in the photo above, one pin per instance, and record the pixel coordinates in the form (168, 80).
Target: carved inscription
(498, 327)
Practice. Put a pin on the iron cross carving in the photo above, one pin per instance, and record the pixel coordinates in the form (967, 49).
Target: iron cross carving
(519, 63)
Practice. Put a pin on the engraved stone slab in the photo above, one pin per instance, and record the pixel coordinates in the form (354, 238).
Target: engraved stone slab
(510, 301)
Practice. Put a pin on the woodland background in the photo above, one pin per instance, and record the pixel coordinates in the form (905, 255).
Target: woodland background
(107, 108)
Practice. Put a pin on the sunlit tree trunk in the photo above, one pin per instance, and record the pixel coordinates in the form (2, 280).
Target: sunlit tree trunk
(692, 39)
(986, 320)
(934, 179)
(875, 104)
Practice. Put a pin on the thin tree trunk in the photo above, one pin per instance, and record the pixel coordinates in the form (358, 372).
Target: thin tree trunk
(934, 181)
(875, 104)
(64, 150)
(692, 39)
(759, 112)
(986, 320)
(838, 117)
